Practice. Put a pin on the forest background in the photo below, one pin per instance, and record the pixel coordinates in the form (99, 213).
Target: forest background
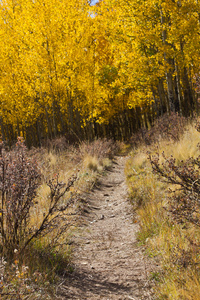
(70, 68)
(87, 71)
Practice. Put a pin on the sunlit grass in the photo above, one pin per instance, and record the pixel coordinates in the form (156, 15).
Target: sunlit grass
(49, 256)
(175, 245)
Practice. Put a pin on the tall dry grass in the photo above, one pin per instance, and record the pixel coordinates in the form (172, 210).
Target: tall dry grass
(175, 245)
(48, 257)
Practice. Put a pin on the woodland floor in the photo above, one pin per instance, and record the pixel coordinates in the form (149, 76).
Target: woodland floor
(108, 262)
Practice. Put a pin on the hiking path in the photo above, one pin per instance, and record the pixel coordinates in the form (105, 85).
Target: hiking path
(108, 262)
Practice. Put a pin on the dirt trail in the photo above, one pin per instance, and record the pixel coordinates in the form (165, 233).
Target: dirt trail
(108, 262)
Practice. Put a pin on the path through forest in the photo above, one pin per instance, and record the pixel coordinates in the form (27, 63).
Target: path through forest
(109, 264)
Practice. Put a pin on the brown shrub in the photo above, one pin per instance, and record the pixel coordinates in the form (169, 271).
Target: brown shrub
(166, 127)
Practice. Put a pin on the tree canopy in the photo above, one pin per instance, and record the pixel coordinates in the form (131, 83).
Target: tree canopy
(104, 70)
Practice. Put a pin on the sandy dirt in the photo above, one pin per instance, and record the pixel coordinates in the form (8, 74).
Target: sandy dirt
(108, 262)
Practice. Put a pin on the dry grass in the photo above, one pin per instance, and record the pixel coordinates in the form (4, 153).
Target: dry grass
(175, 245)
(185, 148)
(48, 257)
(66, 163)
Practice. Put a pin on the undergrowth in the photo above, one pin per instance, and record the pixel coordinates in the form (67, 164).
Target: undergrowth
(164, 189)
(41, 205)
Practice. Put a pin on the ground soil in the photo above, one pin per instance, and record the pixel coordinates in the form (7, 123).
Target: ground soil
(108, 262)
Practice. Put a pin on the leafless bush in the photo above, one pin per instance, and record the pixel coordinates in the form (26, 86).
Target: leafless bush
(166, 127)
(184, 205)
(100, 148)
(58, 144)
(19, 180)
